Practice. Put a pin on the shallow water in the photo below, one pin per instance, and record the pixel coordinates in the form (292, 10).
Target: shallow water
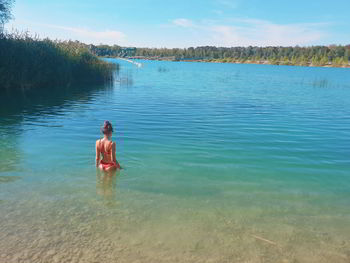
(223, 163)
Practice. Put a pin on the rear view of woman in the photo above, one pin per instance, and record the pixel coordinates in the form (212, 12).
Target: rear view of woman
(107, 149)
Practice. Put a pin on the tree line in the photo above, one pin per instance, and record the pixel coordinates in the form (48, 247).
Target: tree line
(336, 55)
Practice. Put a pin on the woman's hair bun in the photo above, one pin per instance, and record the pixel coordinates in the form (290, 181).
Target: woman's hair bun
(107, 127)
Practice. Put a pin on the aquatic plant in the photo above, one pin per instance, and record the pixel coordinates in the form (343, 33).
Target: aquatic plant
(29, 62)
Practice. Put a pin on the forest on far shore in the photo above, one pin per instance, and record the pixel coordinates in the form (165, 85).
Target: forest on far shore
(333, 55)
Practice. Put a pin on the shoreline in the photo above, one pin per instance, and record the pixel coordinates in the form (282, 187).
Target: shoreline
(261, 62)
(131, 61)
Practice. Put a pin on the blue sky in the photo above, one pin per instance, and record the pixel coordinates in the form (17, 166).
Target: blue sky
(185, 23)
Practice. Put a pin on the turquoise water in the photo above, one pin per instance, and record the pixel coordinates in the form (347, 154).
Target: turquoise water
(223, 163)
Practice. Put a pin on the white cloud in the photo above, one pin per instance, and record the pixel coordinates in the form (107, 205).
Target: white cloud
(216, 32)
(109, 35)
(183, 22)
(264, 33)
(85, 35)
(254, 32)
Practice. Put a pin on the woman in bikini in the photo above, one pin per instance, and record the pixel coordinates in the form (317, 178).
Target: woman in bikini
(107, 149)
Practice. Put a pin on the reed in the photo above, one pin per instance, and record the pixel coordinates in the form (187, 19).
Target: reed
(28, 62)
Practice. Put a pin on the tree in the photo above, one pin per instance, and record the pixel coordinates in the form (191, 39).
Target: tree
(347, 55)
(316, 60)
(5, 12)
(324, 60)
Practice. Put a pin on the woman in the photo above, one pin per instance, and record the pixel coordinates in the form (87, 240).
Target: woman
(107, 148)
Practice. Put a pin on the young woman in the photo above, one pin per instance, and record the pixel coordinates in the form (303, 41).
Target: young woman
(107, 149)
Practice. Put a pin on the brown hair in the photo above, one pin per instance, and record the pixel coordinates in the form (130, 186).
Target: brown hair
(107, 128)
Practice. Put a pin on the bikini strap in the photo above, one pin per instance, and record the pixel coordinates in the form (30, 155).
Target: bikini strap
(110, 146)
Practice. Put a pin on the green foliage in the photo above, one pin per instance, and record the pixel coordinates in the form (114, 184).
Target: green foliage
(105, 50)
(5, 11)
(339, 61)
(27, 62)
(316, 55)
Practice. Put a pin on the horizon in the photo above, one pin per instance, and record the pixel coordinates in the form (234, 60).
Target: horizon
(215, 23)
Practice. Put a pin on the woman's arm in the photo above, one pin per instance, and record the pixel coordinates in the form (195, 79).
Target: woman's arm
(98, 153)
(114, 159)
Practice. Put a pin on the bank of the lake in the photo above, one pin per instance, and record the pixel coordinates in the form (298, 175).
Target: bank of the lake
(257, 62)
(316, 56)
(30, 63)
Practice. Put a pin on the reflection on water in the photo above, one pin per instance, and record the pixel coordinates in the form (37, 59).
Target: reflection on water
(125, 79)
(106, 184)
(16, 104)
(163, 69)
(322, 83)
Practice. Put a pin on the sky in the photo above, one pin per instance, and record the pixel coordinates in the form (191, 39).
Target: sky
(186, 23)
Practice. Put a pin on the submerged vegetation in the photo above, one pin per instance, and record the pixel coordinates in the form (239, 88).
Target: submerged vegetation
(28, 62)
(305, 56)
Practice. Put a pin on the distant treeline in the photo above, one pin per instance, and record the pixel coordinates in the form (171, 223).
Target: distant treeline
(316, 55)
(28, 62)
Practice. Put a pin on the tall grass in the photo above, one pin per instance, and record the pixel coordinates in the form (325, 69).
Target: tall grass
(28, 62)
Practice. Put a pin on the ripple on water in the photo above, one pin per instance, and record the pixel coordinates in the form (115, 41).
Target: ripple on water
(223, 163)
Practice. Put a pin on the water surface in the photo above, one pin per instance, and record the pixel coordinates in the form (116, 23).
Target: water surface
(223, 163)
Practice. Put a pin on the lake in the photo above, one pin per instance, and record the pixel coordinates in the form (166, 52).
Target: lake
(223, 163)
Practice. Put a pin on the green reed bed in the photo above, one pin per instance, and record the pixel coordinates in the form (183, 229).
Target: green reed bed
(29, 62)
